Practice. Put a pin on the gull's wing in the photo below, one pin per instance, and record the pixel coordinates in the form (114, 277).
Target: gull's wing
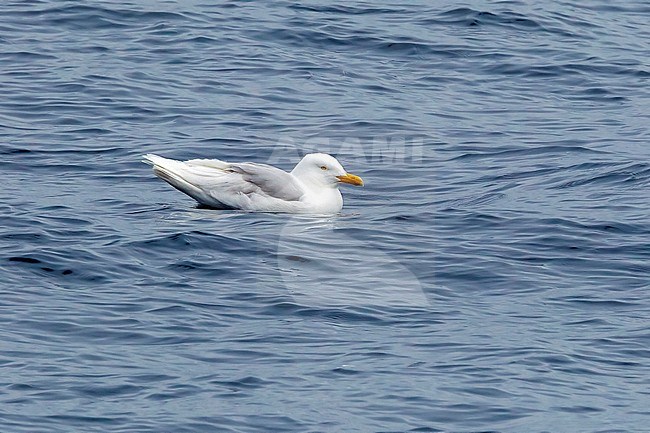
(270, 180)
(232, 185)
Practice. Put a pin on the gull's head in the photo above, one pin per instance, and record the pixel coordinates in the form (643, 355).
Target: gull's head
(324, 170)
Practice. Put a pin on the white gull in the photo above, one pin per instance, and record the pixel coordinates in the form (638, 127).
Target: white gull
(311, 187)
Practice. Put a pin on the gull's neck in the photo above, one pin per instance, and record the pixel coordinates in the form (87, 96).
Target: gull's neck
(321, 196)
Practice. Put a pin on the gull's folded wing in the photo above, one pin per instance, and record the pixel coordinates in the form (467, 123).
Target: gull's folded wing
(271, 181)
(225, 185)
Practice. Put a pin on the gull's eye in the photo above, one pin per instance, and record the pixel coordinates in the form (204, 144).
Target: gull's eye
(323, 167)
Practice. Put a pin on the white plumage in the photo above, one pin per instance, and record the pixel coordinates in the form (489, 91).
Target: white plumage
(311, 187)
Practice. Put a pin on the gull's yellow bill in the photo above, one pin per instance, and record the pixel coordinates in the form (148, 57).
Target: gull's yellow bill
(351, 179)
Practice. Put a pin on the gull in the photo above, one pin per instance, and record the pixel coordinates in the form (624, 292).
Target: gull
(312, 187)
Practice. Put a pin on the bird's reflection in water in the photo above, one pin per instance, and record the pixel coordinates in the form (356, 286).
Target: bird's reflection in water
(323, 265)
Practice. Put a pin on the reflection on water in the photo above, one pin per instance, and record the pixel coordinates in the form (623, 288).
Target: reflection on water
(325, 267)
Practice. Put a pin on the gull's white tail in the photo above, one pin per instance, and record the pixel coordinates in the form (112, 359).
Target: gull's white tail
(176, 173)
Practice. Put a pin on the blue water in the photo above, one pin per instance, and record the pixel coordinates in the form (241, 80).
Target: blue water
(492, 276)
